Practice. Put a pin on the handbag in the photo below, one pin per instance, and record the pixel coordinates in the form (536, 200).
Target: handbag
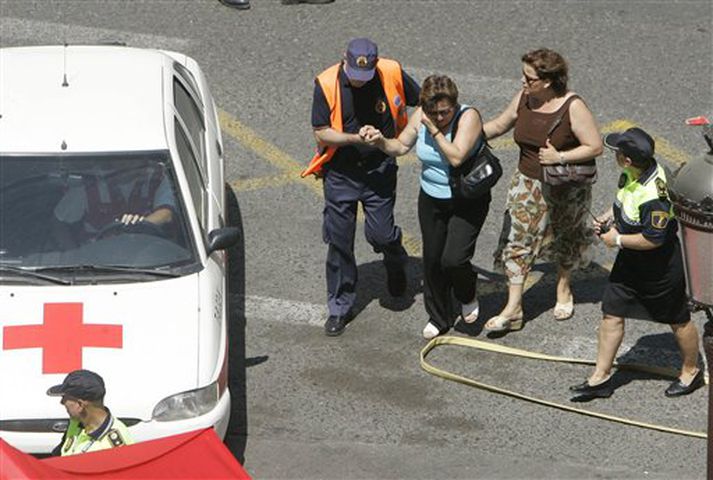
(476, 175)
(568, 173)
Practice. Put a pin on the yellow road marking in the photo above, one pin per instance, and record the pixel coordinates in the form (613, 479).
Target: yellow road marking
(288, 167)
(248, 184)
(290, 170)
(663, 148)
(618, 126)
(670, 153)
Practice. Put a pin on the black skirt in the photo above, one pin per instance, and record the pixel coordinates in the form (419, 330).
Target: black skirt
(648, 285)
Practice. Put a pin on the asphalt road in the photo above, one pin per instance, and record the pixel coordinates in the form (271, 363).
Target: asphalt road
(359, 406)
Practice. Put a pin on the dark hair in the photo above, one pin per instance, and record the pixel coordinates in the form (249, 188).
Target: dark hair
(549, 65)
(640, 162)
(436, 88)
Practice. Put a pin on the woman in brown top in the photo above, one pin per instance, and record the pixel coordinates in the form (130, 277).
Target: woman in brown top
(552, 126)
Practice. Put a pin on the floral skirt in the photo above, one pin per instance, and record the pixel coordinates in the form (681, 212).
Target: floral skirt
(544, 222)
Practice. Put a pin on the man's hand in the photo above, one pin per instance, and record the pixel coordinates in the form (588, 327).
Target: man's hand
(371, 136)
(365, 131)
(131, 218)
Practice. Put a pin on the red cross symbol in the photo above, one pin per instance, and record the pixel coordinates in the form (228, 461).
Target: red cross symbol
(62, 336)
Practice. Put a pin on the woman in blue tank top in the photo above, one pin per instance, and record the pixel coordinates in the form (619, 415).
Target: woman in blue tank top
(449, 226)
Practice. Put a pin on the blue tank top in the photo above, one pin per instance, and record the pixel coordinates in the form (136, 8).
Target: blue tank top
(434, 166)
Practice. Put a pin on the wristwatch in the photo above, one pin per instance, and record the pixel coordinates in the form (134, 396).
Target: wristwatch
(618, 240)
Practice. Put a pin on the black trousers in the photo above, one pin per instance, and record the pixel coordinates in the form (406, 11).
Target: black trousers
(449, 228)
(375, 189)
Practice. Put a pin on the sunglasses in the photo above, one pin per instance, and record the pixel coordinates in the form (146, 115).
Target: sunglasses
(530, 80)
(439, 113)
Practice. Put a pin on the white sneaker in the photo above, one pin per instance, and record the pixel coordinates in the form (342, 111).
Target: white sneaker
(430, 331)
(470, 311)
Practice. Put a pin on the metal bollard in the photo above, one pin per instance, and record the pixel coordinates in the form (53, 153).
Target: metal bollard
(692, 196)
(708, 348)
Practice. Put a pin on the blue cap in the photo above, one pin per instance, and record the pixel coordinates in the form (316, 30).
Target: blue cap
(362, 55)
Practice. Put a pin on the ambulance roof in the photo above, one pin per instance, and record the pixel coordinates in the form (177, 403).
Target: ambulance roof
(112, 100)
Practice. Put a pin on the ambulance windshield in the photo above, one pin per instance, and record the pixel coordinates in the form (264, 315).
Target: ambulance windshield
(92, 209)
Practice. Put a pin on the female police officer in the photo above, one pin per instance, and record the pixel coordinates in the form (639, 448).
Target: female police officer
(647, 281)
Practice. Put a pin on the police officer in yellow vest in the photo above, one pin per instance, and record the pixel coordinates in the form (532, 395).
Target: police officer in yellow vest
(647, 281)
(362, 90)
(92, 427)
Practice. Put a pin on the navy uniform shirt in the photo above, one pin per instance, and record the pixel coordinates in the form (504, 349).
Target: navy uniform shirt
(366, 105)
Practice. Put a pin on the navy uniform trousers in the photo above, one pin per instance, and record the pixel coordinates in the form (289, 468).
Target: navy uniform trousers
(343, 190)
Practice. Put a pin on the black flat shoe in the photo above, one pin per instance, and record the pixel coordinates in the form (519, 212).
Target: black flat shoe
(238, 4)
(676, 389)
(603, 390)
(336, 324)
(314, 2)
(396, 281)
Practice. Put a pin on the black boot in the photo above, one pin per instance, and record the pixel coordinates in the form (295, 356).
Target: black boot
(336, 324)
(396, 281)
(237, 4)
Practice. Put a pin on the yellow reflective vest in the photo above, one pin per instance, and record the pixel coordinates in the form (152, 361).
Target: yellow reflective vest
(642, 204)
(112, 433)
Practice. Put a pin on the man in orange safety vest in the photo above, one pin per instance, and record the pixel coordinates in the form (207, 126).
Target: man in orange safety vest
(361, 90)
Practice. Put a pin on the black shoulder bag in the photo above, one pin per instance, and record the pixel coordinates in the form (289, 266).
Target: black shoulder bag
(479, 173)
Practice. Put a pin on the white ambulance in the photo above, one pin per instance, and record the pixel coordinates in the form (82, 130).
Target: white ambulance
(113, 233)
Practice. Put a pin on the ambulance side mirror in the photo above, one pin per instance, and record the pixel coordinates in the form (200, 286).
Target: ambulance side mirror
(222, 238)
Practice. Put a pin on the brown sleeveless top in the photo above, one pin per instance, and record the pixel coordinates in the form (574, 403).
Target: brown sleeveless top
(531, 130)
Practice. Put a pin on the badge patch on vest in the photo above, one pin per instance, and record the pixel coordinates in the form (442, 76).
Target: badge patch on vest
(115, 438)
(659, 219)
(380, 106)
(661, 189)
(622, 180)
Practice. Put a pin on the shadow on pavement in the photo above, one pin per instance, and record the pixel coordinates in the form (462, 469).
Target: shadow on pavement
(587, 287)
(236, 436)
(371, 285)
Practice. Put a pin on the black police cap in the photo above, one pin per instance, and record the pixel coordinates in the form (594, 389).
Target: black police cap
(81, 384)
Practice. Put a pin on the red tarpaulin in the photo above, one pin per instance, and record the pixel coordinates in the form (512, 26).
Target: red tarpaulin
(198, 454)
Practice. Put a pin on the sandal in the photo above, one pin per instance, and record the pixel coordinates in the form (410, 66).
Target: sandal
(500, 323)
(470, 311)
(564, 311)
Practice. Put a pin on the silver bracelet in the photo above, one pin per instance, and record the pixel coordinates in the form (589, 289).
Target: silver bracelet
(618, 240)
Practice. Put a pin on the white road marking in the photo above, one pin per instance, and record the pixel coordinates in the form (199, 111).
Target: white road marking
(472, 87)
(18, 31)
(284, 311)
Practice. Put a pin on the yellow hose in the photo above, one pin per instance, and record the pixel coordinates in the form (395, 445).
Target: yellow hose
(494, 347)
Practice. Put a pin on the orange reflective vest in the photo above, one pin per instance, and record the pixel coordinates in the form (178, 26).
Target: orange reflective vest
(391, 79)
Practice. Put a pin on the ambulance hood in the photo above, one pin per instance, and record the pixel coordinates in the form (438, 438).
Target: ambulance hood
(145, 338)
